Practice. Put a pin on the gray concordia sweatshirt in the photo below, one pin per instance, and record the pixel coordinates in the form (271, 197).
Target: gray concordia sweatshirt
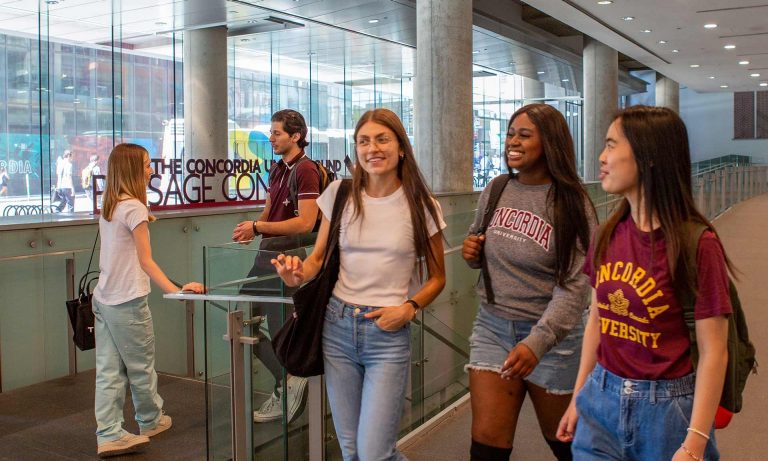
(520, 249)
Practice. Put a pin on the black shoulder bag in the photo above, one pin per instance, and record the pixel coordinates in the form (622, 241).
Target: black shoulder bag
(299, 343)
(80, 309)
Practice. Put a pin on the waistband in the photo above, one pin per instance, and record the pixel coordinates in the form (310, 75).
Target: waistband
(643, 389)
(343, 306)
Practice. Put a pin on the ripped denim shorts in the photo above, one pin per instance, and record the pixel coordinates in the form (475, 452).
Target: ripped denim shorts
(493, 337)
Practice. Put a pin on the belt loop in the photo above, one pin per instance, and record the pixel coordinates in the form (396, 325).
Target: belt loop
(603, 376)
(653, 392)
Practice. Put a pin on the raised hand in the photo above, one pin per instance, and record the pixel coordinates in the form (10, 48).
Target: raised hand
(290, 269)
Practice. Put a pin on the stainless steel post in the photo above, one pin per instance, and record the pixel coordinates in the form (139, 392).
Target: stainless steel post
(190, 306)
(71, 349)
(317, 428)
(239, 422)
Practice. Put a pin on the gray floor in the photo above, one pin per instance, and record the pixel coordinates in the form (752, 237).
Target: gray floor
(54, 421)
(743, 231)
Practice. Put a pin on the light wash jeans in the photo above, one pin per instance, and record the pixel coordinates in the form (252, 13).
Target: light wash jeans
(125, 354)
(634, 420)
(366, 373)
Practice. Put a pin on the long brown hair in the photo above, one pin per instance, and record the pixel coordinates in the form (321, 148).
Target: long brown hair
(659, 141)
(417, 193)
(567, 197)
(125, 177)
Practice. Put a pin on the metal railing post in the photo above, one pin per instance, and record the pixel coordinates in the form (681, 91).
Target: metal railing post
(237, 383)
(317, 430)
(723, 185)
(71, 350)
(700, 195)
(190, 320)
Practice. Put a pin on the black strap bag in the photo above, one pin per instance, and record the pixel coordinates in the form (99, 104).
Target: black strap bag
(299, 343)
(80, 309)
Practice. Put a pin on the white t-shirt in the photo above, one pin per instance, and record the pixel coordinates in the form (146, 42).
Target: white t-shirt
(122, 278)
(378, 257)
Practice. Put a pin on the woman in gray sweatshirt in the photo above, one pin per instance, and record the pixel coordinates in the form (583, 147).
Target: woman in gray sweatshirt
(527, 335)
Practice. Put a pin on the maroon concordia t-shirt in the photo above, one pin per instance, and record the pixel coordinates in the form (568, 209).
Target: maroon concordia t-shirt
(307, 179)
(642, 331)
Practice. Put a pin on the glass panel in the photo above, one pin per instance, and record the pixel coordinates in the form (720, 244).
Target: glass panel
(235, 270)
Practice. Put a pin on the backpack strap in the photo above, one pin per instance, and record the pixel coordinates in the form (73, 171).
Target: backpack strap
(293, 185)
(335, 228)
(693, 233)
(497, 187)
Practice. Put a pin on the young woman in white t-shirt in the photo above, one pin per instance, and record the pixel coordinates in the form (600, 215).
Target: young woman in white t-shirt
(389, 222)
(125, 340)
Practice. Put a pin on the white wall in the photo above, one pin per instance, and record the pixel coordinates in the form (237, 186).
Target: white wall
(709, 119)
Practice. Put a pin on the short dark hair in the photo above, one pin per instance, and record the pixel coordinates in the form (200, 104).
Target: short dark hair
(293, 122)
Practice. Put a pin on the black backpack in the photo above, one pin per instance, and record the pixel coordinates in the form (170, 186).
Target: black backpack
(741, 352)
(497, 187)
(326, 177)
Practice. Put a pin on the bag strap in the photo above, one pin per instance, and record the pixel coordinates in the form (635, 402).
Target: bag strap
(335, 228)
(690, 253)
(497, 187)
(293, 183)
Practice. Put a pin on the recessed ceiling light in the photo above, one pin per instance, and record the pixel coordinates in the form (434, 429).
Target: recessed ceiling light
(694, 66)
(245, 40)
(252, 21)
(646, 31)
(729, 47)
(723, 86)
(541, 72)
(710, 26)
(565, 80)
(711, 77)
(628, 18)
(675, 51)
(744, 63)
(662, 42)
(52, 2)
(605, 2)
(763, 83)
(160, 23)
(754, 75)
(511, 63)
(373, 21)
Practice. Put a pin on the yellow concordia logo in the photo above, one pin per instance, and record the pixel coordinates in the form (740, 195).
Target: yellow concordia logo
(619, 304)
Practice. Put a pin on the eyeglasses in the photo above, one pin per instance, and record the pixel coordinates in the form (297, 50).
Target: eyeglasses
(381, 140)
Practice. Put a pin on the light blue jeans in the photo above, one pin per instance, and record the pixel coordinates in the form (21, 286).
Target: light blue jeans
(634, 420)
(125, 355)
(366, 373)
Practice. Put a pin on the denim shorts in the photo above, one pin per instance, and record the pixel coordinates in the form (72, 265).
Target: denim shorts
(494, 337)
(629, 419)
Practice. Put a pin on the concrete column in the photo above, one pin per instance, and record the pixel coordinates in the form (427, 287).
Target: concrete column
(205, 99)
(667, 93)
(443, 94)
(601, 99)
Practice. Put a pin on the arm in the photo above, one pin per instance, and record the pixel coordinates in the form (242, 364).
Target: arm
(394, 317)
(150, 267)
(243, 232)
(712, 339)
(301, 224)
(293, 271)
(567, 426)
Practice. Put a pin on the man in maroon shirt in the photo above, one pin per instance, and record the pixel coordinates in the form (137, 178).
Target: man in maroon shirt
(281, 218)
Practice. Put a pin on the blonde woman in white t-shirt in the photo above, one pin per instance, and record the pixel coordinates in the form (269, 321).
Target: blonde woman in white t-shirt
(390, 221)
(125, 340)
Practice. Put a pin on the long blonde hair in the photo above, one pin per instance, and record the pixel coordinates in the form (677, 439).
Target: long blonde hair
(125, 178)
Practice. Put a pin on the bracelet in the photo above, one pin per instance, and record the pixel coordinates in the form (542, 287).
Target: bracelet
(255, 231)
(690, 453)
(697, 432)
(415, 305)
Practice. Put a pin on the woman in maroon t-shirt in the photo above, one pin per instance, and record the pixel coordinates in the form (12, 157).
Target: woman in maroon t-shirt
(637, 397)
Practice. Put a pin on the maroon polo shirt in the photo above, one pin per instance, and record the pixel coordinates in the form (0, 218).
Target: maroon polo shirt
(308, 182)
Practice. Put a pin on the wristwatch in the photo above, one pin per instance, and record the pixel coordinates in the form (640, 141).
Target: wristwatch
(255, 230)
(415, 305)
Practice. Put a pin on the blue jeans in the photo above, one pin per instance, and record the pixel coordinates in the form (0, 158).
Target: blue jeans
(125, 355)
(634, 420)
(366, 373)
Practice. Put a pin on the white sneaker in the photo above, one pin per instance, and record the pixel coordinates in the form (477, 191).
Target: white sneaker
(129, 443)
(270, 410)
(297, 397)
